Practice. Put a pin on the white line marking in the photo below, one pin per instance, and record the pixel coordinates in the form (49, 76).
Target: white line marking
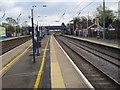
(79, 72)
(44, 49)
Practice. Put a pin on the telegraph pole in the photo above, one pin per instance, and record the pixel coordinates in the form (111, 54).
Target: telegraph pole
(103, 19)
(33, 39)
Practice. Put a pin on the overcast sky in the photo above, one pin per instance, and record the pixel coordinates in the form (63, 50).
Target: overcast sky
(54, 11)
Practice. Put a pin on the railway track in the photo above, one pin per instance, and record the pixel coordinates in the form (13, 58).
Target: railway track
(100, 68)
(107, 57)
(7, 45)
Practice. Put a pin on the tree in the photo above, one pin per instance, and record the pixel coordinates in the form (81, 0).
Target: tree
(12, 28)
(11, 21)
(109, 16)
(9, 29)
(76, 19)
(83, 19)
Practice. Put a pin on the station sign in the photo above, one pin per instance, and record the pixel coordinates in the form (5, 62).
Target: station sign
(2, 32)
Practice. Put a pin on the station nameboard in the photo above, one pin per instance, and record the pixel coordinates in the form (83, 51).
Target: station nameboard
(2, 32)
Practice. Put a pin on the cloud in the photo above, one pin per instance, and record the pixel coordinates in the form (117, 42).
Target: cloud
(54, 9)
(41, 0)
(5, 4)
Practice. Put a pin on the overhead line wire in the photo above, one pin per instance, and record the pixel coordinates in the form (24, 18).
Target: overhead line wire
(85, 7)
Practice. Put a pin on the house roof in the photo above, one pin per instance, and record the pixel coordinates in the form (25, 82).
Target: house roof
(95, 24)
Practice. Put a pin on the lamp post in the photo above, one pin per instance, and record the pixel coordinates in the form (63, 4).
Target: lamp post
(44, 6)
(40, 28)
(33, 39)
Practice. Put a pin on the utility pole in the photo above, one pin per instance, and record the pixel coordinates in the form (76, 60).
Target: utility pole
(33, 39)
(73, 26)
(18, 24)
(88, 20)
(17, 27)
(119, 10)
(103, 19)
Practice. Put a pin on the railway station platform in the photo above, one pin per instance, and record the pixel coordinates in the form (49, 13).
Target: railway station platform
(21, 72)
(111, 43)
(63, 73)
(52, 68)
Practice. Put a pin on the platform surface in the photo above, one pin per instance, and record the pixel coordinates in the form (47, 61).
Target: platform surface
(111, 43)
(63, 74)
(57, 72)
(24, 72)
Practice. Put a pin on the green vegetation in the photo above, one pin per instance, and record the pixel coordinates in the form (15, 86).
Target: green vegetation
(11, 21)
(109, 16)
(10, 26)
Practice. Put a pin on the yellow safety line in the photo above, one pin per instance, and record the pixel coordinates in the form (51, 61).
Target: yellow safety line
(37, 82)
(9, 64)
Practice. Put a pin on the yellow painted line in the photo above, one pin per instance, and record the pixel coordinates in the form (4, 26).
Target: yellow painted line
(57, 80)
(37, 82)
(9, 64)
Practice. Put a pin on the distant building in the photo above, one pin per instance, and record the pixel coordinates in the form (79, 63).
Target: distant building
(94, 29)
